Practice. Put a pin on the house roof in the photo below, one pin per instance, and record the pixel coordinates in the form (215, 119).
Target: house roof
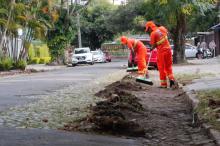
(216, 27)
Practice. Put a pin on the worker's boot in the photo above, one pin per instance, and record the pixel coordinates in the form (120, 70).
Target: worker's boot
(173, 84)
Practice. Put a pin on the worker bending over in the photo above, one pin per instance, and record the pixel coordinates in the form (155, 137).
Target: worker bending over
(140, 50)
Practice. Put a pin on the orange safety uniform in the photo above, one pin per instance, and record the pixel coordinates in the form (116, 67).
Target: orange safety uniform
(140, 50)
(159, 38)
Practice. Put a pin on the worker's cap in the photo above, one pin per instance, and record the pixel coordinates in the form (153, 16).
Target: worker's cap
(149, 24)
(124, 40)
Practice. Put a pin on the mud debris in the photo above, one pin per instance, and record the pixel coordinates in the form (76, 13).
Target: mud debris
(156, 116)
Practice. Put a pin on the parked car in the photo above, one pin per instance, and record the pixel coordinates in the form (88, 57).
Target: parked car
(108, 57)
(190, 51)
(98, 56)
(153, 59)
(82, 55)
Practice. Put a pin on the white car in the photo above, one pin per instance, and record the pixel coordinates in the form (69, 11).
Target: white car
(190, 51)
(82, 55)
(99, 56)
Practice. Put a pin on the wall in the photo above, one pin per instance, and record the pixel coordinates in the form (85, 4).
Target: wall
(217, 41)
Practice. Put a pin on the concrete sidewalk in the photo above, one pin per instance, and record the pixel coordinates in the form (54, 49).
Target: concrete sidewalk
(202, 66)
(205, 83)
(43, 67)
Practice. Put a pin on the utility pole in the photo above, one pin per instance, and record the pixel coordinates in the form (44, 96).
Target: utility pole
(79, 31)
(78, 26)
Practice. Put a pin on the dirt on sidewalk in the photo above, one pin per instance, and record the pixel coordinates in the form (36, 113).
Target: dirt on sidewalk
(156, 116)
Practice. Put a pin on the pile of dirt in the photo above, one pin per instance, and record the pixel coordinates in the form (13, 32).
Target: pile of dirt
(111, 115)
(157, 116)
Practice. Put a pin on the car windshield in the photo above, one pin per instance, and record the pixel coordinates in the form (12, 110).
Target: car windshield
(81, 51)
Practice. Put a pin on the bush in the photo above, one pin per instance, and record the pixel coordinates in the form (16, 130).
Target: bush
(6, 64)
(35, 60)
(39, 53)
(21, 64)
(31, 52)
(45, 60)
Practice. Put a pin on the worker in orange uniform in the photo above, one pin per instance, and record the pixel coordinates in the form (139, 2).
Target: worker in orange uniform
(140, 50)
(159, 40)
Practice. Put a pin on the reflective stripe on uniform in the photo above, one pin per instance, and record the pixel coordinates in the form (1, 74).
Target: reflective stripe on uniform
(161, 41)
(163, 81)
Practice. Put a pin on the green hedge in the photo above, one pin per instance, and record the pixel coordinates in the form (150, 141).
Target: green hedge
(21, 64)
(45, 60)
(6, 64)
(39, 53)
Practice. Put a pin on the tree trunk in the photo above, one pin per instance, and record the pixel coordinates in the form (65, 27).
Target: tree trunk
(7, 24)
(179, 39)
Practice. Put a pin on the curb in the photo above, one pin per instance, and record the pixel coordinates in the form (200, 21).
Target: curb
(194, 101)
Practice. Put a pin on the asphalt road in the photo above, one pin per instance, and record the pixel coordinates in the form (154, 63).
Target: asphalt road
(15, 90)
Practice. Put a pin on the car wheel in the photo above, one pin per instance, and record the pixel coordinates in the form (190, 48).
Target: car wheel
(73, 65)
(199, 55)
(91, 63)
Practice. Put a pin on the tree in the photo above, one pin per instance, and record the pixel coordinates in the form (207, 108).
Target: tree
(174, 14)
(94, 24)
(34, 17)
(64, 31)
(125, 18)
(199, 22)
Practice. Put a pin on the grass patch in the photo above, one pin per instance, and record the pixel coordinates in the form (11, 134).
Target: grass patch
(185, 79)
(209, 107)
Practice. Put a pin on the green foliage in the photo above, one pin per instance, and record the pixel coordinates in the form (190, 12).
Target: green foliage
(57, 46)
(20, 64)
(43, 51)
(31, 52)
(39, 53)
(200, 22)
(94, 24)
(207, 111)
(45, 60)
(6, 64)
(34, 17)
(35, 60)
(64, 33)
